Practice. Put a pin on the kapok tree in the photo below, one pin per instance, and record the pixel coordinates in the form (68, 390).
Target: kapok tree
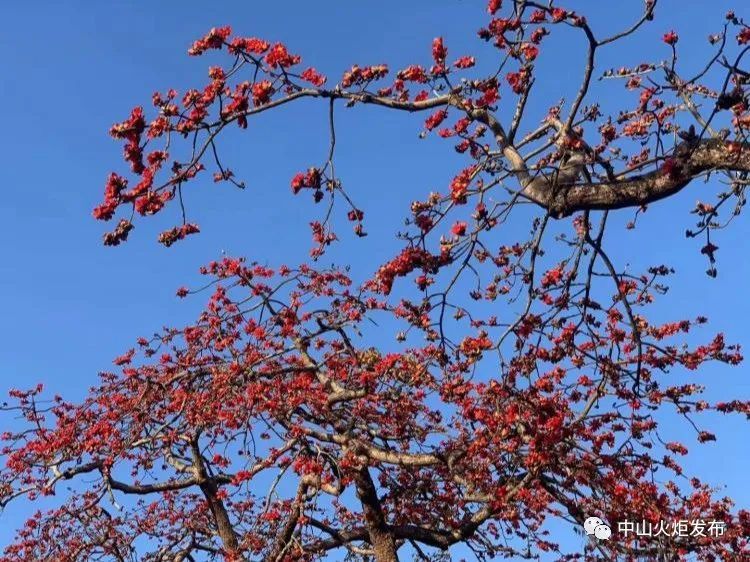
(525, 383)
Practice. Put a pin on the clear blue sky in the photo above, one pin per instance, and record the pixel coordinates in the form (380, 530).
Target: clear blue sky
(71, 69)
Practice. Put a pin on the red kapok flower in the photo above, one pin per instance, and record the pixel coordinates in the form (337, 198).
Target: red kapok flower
(361, 75)
(413, 73)
(279, 56)
(314, 77)
(309, 179)
(538, 16)
(262, 92)
(435, 119)
(460, 185)
(214, 39)
(459, 228)
(250, 45)
(355, 215)
(559, 14)
(465, 62)
(439, 52)
(670, 38)
(530, 52)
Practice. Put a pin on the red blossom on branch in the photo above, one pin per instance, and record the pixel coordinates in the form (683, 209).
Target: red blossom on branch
(670, 38)
(279, 57)
(214, 39)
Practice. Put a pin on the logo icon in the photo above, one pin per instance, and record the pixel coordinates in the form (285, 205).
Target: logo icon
(597, 527)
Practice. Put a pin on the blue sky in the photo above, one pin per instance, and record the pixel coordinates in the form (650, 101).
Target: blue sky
(71, 69)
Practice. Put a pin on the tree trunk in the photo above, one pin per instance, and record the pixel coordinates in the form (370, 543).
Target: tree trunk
(209, 488)
(381, 537)
(221, 518)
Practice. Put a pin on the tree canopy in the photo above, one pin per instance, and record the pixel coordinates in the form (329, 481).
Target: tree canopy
(526, 378)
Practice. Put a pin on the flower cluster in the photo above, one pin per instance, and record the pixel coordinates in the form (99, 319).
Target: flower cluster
(459, 187)
(169, 237)
(357, 75)
(310, 179)
(407, 261)
(214, 39)
(279, 57)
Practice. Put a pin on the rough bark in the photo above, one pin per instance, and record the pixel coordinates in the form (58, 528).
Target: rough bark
(381, 538)
(563, 196)
(642, 189)
(208, 486)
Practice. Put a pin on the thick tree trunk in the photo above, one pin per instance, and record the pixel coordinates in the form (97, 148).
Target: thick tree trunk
(221, 518)
(381, 537)
(224, 527)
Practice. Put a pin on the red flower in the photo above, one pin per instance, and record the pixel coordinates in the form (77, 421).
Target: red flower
(424, 222)
(538, 16)
(214, 39)
(116, 184)
(156, 158)
(403, 264)
(670, 38)
(313, 76)
(158, 127)
(151, 203)
(361, 75)
(216, 73)
(249, 45)
(309, 179)
(105, 211)
(355, 215)
(119, 234)
(461, 125)
(465, 62)
(124, 359)
(169, 237)
(131, 128)
(223, 175)
(552, 277)
(538, 34)
(705, 436)
(517, 80)
(473, 347)
(744, 36)
(435, 119)
(413, 73)
(460, 185)
(239, 104)
(439, 52)
(490, 95)
(558, 14)
(262, 92)
(278, 56)
(493, 6)
(463, 146)
(298, 182)
(459, 228)
(530, 52)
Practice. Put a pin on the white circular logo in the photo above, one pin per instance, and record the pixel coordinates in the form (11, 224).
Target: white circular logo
(602, 532)
(591, 524)
(597, 527)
